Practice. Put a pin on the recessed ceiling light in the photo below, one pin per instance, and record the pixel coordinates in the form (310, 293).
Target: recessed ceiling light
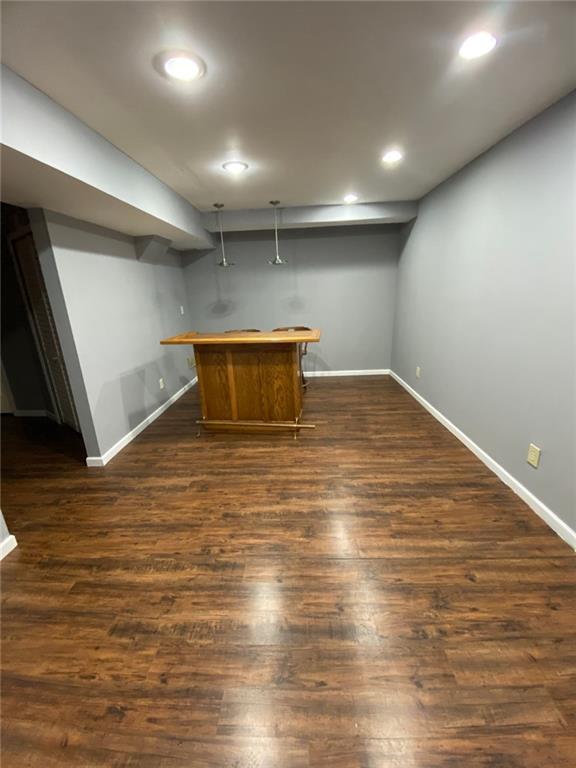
(349, 199)
(477, 45)
(180, 65)
(235, 167)
(392, 156)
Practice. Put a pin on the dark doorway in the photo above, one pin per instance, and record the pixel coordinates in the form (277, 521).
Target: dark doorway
(37, 399)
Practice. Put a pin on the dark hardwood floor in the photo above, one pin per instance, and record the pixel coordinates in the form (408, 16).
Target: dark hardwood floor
(368, 595)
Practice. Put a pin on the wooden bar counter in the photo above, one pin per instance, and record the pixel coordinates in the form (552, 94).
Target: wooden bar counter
(249, 381)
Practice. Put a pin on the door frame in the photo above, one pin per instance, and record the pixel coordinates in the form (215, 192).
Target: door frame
(57, 413)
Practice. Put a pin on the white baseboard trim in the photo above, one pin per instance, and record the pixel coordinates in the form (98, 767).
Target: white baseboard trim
(101, 461)
(369, 372)
(549, 517)
(7, 546)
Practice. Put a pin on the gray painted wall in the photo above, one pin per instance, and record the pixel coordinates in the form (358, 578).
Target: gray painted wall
(485, 303)
(118, 309)
(342, 281)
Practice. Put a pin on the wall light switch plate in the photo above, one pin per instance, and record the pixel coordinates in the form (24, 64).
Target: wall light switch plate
(161, 383)
(181, 309)
(533, 457)
(418, 371)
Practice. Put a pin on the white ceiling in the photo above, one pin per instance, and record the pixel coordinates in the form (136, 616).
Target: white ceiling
(308, 93)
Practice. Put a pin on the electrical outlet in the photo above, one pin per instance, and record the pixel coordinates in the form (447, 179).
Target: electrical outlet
(181, 309)
(418, 371)
(533, 457)
(161, 383)
(190, 361)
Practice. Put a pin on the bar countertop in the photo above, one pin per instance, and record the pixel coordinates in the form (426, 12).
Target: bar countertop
(244, 337)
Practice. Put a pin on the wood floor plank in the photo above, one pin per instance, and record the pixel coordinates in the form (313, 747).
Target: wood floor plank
(369, 594)
(479, 751)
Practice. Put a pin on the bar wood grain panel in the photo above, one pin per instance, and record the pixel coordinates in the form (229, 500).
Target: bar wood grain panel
(249, 386)
(216, 390)
(232, 384)
(201, 385)
(276, 371)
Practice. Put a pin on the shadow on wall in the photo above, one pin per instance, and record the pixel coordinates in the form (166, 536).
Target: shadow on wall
(221, 307)
(312, 362)
(140, 395)
(75, 231)
(140, 390)
(112, 244)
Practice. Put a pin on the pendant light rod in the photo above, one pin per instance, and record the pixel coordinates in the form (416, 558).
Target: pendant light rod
(277, 261)
(275, 204)
(224, 262)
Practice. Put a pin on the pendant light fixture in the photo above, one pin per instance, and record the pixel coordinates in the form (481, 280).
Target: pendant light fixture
(277, 261)
(224, 262)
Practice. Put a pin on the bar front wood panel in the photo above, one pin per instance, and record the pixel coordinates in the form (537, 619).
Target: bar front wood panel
(214, 380)
(249, 382)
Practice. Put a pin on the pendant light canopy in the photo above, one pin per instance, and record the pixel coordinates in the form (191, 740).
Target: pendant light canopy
(224, 262)
(276, 261)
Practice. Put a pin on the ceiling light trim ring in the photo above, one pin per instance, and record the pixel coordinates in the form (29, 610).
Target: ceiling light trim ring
(235, 167)
(163, 59)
